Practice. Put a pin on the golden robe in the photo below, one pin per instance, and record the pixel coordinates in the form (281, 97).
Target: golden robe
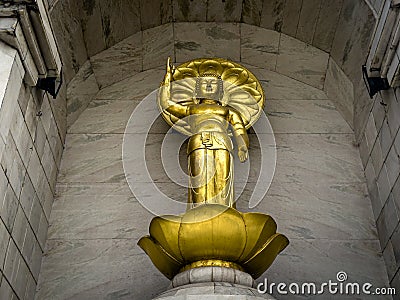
(210, 164)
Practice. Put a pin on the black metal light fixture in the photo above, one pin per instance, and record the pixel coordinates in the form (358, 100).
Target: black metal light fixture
(374, 84)
(51, 85)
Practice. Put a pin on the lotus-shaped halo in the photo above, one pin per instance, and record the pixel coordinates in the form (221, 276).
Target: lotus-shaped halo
(213, 235)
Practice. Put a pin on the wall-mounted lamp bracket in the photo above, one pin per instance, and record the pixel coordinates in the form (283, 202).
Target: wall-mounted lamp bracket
(51, 85)
(374, 84)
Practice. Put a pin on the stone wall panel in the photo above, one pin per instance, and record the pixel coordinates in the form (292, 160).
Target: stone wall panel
(123, 60)
(217, 40)
(92, 27)
(308, 20)
(224, 11)
(65, 17)
(252, 11)
(272, 15)
(259, 46)
(155, 13)
(327, 22)
(189, 11)
(340, 90)
(295, 54)
(80, 92)
(291, 15)
(120, 19)
(158, 44)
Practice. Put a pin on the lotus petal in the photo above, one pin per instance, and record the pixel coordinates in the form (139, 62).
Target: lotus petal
(259, 228)
(165, 263)
(263, 259)
(212, 232)
(165, 230)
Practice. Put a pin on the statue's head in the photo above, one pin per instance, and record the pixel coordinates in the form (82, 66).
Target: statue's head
(209, 86)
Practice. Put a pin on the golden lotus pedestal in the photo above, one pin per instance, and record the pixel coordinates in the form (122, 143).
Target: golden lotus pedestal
(213, 236)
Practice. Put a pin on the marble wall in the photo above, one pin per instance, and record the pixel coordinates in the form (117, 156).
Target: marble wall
(313, 21)
(85, 28)
(376, 123)
(33, 129)
(239, 42)
(254, 45)
(340, 28)
(65, 17)
(332, 38)
(80, 91)
(339, 90)
(318, 197)
(380, 154)
(350, 50)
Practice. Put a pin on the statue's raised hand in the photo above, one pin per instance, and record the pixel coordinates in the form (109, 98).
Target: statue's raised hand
(170, 72)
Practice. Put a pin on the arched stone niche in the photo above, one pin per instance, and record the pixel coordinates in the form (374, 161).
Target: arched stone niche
(240, 42)
(318, 194)
(341, 28)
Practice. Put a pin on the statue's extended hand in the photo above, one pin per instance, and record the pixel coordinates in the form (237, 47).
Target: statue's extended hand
(243, 154)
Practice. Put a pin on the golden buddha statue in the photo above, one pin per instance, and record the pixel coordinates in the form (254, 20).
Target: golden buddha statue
(211, 100)
(210, 160)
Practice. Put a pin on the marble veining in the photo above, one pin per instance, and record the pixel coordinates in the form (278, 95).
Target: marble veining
(299, 116)
(92, 216)
(317, 158)
(193, 11)
(134, 87)
(279, 86)
(217, 40)
(92, 158)
(308, 20)
(224, 11)
(81, 91)
(340, 90)
(158, 43)
(105, 116)
(306, 221)
(108, 270)
(302, 61)
(120, 19)
(360, 259)
(259, 46)
(122, 60)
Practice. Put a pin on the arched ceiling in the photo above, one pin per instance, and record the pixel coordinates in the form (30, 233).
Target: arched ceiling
(342, 28)
(85, 28)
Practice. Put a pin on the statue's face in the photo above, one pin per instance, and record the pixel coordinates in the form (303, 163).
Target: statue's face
(209, 87)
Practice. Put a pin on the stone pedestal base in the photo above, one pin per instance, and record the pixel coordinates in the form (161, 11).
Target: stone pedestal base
(213, 291)
(212, 283)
